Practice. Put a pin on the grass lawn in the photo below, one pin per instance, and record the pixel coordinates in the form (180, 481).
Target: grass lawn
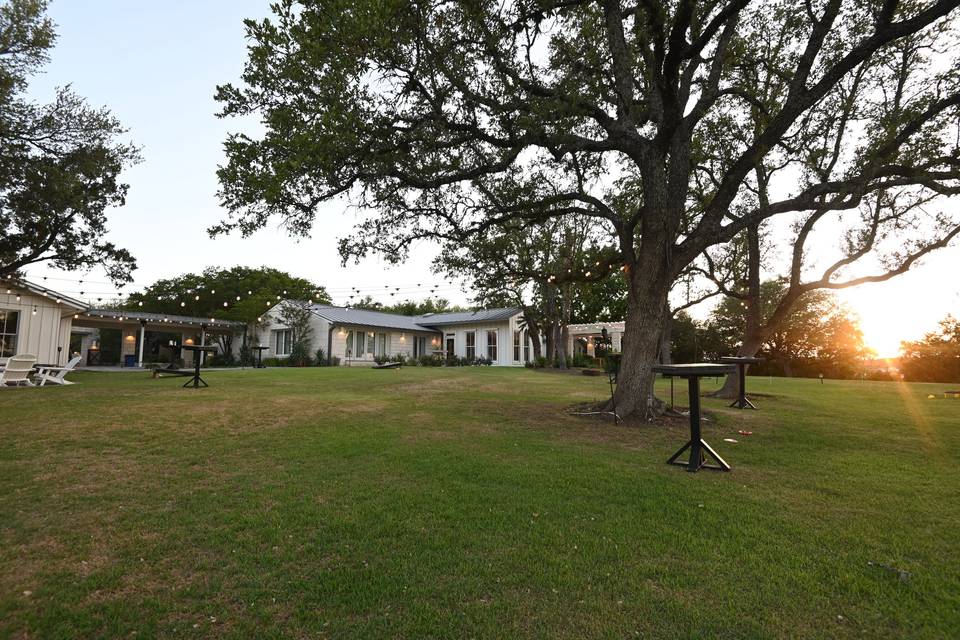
(457, 503)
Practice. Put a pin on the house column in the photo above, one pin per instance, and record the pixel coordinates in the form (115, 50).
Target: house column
(186, 355)
(143, 331)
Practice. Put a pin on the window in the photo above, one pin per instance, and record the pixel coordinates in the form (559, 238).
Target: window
(526, 346)
(471, 337)
(348, 349)
(492, 345)
(517, 342)
(283, 342)
(9, 321)
(381, 344)
(371, 343)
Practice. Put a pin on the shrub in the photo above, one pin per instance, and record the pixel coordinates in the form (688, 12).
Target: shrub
(412, 362)
(299, 356)
(540, 362)
(430, 361)
(582, 360)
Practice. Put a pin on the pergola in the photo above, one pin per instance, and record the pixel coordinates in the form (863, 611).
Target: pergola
(135, 324)
(589, 332)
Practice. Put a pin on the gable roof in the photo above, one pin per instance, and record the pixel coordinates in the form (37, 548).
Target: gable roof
(464, 317)
(365, 317)
(23, 285)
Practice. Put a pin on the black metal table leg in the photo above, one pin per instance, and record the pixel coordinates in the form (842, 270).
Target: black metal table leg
(699, 449)
(742, 401)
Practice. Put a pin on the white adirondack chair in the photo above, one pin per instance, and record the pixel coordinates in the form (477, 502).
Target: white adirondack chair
(55, 375)
(17, 372)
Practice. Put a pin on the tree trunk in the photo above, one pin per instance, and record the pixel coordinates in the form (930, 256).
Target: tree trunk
(646, 313)
(749, 349)
(753, 332)
(666, 355)
(533, 335)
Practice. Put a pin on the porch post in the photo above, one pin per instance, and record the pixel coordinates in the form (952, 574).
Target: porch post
(143, 331)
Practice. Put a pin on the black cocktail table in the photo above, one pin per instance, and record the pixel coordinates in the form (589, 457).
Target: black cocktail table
(742, 401)
(699, 449)
(198, 351)
(259, 351)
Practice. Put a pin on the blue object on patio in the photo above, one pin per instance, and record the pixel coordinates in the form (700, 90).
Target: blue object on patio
(130, 360)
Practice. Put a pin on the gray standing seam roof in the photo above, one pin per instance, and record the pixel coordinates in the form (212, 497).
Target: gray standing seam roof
(364, 317)
(464, 317)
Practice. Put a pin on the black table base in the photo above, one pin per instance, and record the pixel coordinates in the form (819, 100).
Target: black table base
(196, 380)
(742, 401)
(699, 449)
(700, 452)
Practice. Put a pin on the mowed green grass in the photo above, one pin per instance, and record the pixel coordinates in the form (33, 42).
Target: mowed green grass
(467, 503)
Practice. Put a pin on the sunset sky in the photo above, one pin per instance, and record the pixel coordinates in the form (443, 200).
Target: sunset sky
(155, 65)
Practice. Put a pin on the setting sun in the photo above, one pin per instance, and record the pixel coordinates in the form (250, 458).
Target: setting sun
(904, 308)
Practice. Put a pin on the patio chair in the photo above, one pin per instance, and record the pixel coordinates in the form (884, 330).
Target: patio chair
(17, 372)
(55, 375)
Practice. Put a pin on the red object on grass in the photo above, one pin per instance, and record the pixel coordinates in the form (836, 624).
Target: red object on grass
(745, 433)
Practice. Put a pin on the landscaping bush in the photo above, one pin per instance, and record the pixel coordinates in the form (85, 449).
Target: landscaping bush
(582, 360)
(430, 361)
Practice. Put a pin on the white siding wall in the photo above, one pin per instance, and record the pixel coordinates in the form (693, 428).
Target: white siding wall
(42, 332)
(271, 322)
(397, 342)
(504, 329)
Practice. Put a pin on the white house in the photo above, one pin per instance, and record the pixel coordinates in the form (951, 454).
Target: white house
(35, 320)
(357, 336)
(53, 327)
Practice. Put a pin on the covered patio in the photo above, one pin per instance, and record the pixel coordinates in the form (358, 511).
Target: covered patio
(583, 337)
(108, 338)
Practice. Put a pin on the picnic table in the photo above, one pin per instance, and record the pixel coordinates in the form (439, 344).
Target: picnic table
(742, 401)
(198, 351)
(699, 449)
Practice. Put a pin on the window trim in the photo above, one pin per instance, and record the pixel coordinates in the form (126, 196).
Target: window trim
(4, 334)
(470, 350)
(492, 349)
(287, 341)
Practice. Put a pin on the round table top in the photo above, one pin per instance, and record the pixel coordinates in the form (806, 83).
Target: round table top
(696, 369)
(740, 360)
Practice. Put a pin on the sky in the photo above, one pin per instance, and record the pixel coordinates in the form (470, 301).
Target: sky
(156, 66)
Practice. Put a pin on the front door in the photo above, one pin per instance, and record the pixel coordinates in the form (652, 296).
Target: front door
(451, 351)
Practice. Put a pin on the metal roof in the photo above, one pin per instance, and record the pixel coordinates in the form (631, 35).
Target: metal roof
(117, 314)
(364, 317)
(466, 317)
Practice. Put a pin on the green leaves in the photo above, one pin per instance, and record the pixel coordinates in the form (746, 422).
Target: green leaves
(60, 163)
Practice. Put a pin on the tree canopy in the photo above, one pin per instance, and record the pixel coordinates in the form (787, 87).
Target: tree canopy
(60, 163)
(661, 121)
(240, 293)
(936, 356)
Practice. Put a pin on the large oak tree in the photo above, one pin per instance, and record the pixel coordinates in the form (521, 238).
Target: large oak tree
(60, 163)
(442, 119)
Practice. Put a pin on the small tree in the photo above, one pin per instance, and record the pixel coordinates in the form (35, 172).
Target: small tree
(297, 316)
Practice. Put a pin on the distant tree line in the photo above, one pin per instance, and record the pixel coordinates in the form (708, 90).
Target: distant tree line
(935, 357)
